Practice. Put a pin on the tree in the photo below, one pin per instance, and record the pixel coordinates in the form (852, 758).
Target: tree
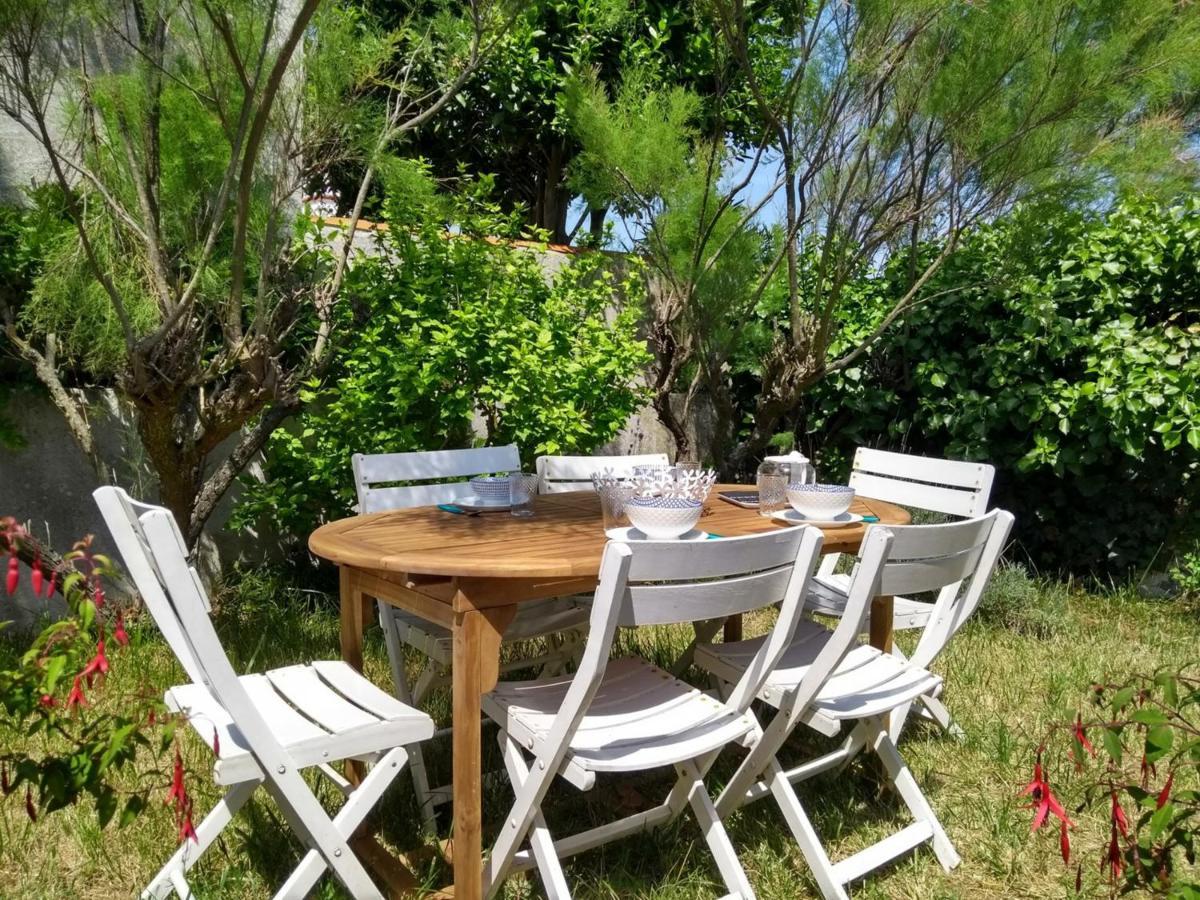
(881, 125)
(507, 120)
(177, 136)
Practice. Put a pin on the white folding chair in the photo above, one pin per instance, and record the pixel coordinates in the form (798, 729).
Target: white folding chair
(628, 715)
(558, 620)
(268, 727)
(574, 473)
(826, 678)
(953, 488)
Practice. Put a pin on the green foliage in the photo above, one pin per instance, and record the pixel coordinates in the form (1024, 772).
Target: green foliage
(450, 329)
(1064, 350)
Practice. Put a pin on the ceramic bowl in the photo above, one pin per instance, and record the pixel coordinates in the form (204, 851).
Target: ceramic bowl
(820, 501)
(491, 488)
(663, 518)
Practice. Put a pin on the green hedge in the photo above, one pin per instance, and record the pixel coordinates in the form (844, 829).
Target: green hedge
(1068, 355)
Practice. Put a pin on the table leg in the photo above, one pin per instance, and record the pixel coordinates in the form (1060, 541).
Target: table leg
(474, 670)
(881, 623)
(733, 629)
(354, 614)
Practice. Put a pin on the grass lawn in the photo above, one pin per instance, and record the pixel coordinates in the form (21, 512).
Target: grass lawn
(1025, 661)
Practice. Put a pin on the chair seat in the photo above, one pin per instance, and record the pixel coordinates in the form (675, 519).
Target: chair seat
(641, 717)
(533, 620)
(319, 713)
(868, 682)
(827, 596)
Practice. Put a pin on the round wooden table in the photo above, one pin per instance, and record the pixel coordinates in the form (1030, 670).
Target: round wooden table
(470, 573)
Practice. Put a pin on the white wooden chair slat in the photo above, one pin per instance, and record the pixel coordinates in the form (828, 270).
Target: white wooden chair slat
(973, 479)
(826, 676)
(628, 715)
(558, 619)
(430, 465)
(303, 687)
(667, 603)
(557, 474)
(289, 726)
(263, 739)
(353, 686)
(699, 560)
(910, 493)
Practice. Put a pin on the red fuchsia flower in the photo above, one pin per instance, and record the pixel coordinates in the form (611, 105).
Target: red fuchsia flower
(1081, 737)
(98, 665)
(177, 795)
(76, 697)
(1165, 794)
(1064, 842)
(216, 743)
(1148, 769)
(14, 573)
(119, 633)
(53, 583)
(1119, 822)
(30, 809)
(98, 595)
(36, 577)
(47, 702)
(1044, 801)
(186, 830)
(1113, 858)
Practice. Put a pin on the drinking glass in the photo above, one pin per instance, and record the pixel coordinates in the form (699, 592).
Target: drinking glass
(613, 498)
(521, 488)
(772, 488)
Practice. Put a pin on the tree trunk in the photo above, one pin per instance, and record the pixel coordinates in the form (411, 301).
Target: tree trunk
(553, 198)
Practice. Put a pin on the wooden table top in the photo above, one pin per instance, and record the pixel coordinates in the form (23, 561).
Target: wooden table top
(563, 538)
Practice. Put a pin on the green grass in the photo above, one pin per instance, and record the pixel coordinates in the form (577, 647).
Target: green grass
(1023, 663)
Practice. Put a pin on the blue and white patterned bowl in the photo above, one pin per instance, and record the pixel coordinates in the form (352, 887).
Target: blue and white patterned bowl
(491, 488)
(820, 501)
(663, 518)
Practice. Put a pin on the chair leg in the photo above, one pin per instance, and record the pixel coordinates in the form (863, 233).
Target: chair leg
(806, 836)
(936, 710)
(420, 776)
(170, 876)
(529, 795)
(910, 792)
(554, 880)
(715, 835)
(360, 802)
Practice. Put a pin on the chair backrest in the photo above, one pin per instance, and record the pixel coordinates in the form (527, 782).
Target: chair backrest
(912, 559)
(574, 473)
(940, 485)
(660, 582)
(155, 553)
(376, 474)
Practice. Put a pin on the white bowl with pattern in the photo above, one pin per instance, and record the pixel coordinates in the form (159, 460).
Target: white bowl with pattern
(820, 501)
(663, 518)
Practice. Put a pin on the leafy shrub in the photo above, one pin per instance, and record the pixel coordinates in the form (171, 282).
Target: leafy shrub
(450, 332)
(1066, 351)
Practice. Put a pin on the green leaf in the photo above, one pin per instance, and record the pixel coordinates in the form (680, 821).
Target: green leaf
(1111, 739)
